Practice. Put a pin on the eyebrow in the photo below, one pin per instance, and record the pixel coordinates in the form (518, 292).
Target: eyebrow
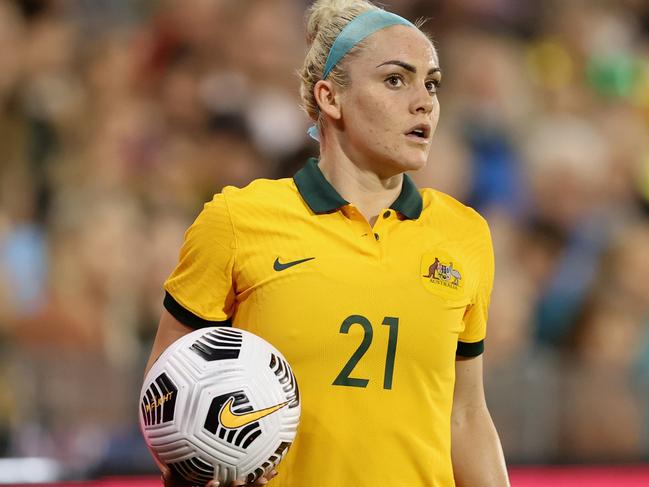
(408, 67)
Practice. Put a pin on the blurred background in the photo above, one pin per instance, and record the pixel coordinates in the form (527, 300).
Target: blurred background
(119, 119)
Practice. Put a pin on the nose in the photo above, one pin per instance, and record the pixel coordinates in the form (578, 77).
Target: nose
(423, 101)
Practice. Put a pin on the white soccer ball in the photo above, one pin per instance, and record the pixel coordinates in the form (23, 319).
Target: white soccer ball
(220, 403)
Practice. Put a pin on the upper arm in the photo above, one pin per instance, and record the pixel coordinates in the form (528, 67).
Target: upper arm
(169, 330)
(201, 287)
(200, 290)
(475, 447)
(469, 386)
(471, 339)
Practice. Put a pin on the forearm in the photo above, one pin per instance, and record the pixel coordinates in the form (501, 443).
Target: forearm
(477, 454)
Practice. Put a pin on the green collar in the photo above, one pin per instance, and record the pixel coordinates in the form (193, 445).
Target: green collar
(322, 197)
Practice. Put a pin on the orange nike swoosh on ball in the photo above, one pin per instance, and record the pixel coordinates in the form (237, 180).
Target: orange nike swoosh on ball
(229, 419)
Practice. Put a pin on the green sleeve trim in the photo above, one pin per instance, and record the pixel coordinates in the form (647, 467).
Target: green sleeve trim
(470, 349)
(188, 318)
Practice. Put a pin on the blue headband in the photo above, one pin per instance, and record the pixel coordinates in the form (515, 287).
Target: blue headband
(359, 28)
(363, 25)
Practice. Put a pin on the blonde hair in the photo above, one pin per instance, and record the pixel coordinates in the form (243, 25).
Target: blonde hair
(325, 20)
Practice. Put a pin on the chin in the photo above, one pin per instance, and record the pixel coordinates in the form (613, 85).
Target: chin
(400, 164)
(413, 162)
(392, 164)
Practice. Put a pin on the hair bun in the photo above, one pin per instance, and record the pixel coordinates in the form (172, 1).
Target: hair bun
(322, 12)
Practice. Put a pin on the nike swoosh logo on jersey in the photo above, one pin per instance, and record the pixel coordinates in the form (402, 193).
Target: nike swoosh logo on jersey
(230, 419)
(278, 266)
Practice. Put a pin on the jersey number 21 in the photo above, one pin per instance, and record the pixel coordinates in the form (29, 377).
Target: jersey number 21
(343, 378)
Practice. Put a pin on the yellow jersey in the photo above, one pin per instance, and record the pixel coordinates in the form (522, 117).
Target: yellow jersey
(370, 318)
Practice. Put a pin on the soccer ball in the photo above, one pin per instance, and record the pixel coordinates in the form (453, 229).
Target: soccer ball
(220, 403)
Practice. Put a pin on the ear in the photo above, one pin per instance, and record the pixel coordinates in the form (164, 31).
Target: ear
(328, 98)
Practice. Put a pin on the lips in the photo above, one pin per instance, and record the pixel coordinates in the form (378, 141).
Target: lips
(419, 133)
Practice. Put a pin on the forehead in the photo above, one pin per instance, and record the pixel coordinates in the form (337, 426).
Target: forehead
(399, 42)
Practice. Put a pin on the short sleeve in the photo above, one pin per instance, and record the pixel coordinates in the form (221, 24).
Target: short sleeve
(200, 290)
(471, 340)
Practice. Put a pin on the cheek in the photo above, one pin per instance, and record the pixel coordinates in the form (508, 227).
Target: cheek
(373, 111)
(435, 114)
(374, 119)
(373, 122)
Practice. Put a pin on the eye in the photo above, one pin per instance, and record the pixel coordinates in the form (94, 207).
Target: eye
(394, 81)
(432, 85)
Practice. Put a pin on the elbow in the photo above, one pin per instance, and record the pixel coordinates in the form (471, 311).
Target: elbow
(469, 415)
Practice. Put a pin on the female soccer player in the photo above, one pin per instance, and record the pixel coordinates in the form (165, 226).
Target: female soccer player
(376, 292)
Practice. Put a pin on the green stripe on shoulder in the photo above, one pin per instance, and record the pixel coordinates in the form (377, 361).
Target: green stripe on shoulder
(188, 318)
(470, 349)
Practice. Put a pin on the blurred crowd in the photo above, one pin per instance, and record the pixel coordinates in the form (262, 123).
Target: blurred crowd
(119, 118)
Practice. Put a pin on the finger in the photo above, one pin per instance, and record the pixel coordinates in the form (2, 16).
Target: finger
(213, 483)
(272, 474)
(167, 479)
(170, 479)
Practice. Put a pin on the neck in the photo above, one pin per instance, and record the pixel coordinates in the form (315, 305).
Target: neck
(359, 183)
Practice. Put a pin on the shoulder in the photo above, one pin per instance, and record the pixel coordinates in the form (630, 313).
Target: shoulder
(443, 207)
(259, 191)
(262, 199)
(465, 230)
(235, 210)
